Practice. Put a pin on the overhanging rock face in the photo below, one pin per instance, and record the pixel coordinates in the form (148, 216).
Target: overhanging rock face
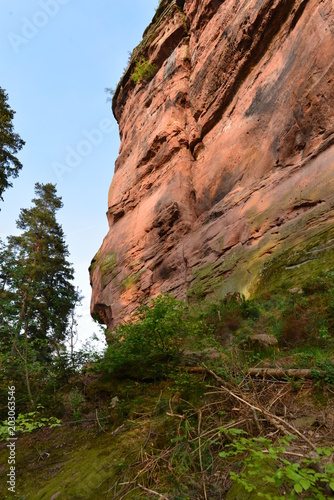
(227, 153)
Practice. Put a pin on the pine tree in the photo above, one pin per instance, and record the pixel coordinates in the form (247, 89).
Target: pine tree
(37, 295)
(10, 144)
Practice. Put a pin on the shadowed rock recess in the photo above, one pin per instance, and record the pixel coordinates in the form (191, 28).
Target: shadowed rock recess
(226, 160)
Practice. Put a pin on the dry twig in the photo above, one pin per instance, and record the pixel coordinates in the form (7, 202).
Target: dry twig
(98, 421)
(200, 452)
(152, 492)
(276, 421)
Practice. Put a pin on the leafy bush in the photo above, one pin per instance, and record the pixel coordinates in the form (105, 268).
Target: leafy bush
(266, 462)
(296, 328)
(322, 283)
(144, 71)
(249, 309)
(147, 346)
(186, 384)
(76, 401)
(324, 373)
(229, 315)
(29, 422)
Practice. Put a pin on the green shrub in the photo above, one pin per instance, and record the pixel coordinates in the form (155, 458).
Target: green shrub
(188, 385)
(28, 422)
(324, 373)
(147, 346)
(266, 463)
(76, 401)
(323, 282)
(229, 315)
(249, 309)
(144, 71)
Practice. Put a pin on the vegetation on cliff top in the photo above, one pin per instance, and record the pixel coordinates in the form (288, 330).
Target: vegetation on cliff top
(144, 71)
(139, 68)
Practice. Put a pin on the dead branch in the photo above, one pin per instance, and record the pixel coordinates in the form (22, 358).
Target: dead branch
(257, 422)
(279, 396)
(116, 431)
(175, 415)
(280, 373)
(196, 369)
(276, 421)
(152, 492)
(219, 379)
(98, 421)
(200, 453)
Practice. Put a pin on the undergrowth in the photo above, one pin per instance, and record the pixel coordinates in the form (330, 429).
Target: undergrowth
(271, 463)
(176, 383)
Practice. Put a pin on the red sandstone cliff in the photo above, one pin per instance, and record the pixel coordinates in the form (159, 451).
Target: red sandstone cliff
(227, 154)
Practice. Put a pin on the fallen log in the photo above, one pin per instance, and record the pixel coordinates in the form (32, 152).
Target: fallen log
(280, 373)
(196, 369)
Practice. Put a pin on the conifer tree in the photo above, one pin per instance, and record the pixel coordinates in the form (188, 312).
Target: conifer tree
(10, 144)
(37, 297)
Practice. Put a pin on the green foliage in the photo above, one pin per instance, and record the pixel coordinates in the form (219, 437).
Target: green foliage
(324, 373)
(110, 93)
(249, 309)
(186, 384)
(76, 401)
(321, 283)
(10, 144)
(37, 297)
(29, 422)
(36, 276)
(267, 461)
(228, 316)
(325, 335)
(67, 365)
(146, 346)
(144, 71)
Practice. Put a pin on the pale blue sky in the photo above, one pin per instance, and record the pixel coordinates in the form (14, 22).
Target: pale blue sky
(56, 58)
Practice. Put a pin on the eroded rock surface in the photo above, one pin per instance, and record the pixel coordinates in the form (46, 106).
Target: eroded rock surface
(227, 154)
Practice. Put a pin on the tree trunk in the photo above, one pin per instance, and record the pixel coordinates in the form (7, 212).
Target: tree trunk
(26, 362)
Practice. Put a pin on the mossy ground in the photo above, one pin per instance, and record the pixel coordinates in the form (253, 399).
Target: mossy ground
(82, 461)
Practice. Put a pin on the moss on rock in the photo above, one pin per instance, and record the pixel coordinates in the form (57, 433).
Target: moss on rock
(108, 267)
